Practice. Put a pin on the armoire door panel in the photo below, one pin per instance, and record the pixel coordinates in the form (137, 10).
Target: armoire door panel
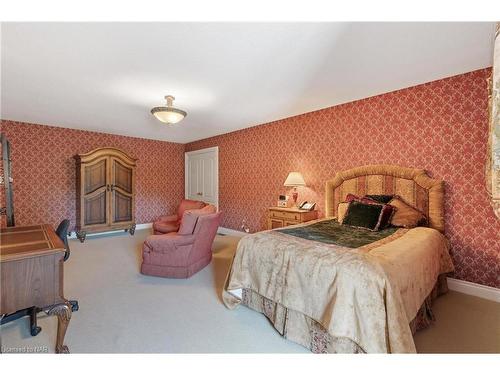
(121, 192)
(95, 208)
(94, 176)
(122, 176)
(122, 207)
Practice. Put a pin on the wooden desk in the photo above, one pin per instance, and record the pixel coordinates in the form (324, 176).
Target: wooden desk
(31, 260)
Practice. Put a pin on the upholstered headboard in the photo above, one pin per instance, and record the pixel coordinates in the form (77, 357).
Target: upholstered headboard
(413, 185)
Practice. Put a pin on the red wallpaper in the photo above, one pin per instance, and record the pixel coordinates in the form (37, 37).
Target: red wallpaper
(439, 126)
(44, 174)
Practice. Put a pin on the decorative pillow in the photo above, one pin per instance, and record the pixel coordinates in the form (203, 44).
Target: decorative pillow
(188, 222)
(208, 209)
(190, 217)
(368, 198)
(406, 216)
(341, 211)
(365, 199)
(387, 210)
(351, 197)
(363, 215)
(387, 214)
(382, 198)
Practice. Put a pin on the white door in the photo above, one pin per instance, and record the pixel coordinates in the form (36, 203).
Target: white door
(202, 175)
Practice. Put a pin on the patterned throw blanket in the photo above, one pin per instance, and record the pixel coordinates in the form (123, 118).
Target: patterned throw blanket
(352, 293)
(332, 232)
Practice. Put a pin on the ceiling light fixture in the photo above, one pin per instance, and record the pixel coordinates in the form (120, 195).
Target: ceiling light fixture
(169, 114)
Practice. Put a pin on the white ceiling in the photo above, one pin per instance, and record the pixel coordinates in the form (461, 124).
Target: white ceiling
(107, 76)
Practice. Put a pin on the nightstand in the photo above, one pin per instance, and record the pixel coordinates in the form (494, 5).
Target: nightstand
(281, 217)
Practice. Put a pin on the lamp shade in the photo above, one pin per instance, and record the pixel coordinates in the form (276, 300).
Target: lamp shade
(294, 179)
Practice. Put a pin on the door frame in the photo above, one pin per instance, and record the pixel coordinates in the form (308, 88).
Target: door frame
(187, 154)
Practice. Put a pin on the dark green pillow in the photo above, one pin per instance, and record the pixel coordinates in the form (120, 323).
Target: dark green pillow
(363, 215)
(380, 198)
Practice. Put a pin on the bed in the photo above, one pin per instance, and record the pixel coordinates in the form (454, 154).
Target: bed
(336, 291)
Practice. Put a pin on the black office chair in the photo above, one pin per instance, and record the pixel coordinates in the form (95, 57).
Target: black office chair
(62, 233)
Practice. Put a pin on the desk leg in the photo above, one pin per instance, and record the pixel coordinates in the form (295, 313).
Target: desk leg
(63, 313)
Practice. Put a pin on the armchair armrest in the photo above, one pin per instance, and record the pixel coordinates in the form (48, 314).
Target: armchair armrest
(167, 218)
(167, 243)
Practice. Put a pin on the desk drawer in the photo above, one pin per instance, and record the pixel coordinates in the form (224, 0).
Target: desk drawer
(35, 281)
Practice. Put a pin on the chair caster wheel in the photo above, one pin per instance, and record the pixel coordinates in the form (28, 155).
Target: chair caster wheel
(74, 305)
(35, 331)
(81, 235)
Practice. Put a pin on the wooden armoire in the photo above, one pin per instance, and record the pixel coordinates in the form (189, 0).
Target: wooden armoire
(105, 192)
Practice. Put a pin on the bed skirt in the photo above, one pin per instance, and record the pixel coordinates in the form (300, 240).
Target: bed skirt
(305, 331)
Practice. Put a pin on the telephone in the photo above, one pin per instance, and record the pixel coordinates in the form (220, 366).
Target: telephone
(307, 205)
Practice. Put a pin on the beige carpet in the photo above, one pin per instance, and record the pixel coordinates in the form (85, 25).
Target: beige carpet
(124, 311)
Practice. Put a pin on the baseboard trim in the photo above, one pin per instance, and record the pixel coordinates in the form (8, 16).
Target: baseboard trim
(137, 227)
(231, 232)
(473, 289)
(144, 226)
(221, 230)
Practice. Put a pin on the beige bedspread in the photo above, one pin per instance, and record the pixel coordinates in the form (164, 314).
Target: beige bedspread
(368, 295)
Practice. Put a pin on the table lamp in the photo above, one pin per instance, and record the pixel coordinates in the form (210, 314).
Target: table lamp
(295, 179)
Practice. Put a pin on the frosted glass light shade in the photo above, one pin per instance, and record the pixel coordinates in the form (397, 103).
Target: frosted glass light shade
(294, 179)
(168, 114)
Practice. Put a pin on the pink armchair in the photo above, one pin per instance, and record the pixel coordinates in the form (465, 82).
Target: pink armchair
(181, 254)
(170, 223)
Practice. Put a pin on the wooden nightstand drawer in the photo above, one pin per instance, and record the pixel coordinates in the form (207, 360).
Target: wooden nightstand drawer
(282, 217)
(285, 215)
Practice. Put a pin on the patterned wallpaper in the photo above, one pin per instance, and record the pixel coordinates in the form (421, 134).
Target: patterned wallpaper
(43, 170)
(439, 126)
(3, 218)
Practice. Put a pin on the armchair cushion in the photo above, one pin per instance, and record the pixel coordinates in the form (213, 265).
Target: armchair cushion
(165, 226)
(171, 223)
(168, 218)
(190, 218)
(188, 204)
(188, 223)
